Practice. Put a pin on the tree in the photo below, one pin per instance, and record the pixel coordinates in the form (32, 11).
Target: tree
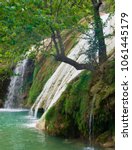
(57, 39)
(26, 23)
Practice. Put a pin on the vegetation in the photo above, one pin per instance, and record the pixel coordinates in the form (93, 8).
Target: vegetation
(69, 117)
(68, 111)
(42, 72)
(26, 23)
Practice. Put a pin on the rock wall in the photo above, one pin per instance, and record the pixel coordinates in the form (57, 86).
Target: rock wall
(4, 82)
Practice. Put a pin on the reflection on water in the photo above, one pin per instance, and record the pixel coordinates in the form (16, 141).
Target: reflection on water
(17, 132)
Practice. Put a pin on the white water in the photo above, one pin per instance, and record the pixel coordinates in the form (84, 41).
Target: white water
(57, 84)
(91, 122)
(12, 110)
(15, 87)
(59, 80)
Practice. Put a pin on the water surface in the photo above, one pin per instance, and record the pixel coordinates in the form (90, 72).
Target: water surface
(17, 132)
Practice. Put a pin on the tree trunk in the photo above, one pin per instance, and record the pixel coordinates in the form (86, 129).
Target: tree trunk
(99, 33)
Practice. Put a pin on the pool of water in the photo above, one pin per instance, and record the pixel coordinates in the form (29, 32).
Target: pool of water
(18, 132)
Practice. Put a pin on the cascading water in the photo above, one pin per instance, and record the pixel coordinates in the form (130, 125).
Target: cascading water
(59, 80)
(65, 73)
(91, 122)
(14, 95)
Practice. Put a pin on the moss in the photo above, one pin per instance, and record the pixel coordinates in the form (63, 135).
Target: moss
(104, 109)
(109, 73)
(106, 137)
(70, 115)
(42, 72)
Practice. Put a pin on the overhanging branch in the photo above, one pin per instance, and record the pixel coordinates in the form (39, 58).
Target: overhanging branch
(75, 64)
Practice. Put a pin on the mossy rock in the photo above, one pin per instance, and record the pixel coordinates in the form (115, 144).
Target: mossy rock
(106, 139)
(108, 75)
(70, 115)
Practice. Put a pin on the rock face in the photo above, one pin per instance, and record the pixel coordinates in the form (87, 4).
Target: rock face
(4, 82)
(27, 80)
(3, 87)
(1, 103)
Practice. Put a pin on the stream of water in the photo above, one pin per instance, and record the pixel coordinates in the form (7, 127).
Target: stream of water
(18, 132)
(15, 87)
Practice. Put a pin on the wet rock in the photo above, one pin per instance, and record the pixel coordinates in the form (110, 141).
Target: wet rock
(40, 112)
(109, 144)
(1, 103)
(41, 125)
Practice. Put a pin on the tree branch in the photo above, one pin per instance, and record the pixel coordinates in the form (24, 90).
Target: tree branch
(53, 36)
(60, 55)
(75, 64)
(58, 8)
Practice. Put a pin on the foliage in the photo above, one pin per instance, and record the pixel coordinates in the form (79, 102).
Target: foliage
(109, 6)
(25, 23)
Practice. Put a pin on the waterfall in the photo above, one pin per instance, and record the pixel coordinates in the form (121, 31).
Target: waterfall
(57, 84)
(91, 121)
(14, 95)
(59, 80)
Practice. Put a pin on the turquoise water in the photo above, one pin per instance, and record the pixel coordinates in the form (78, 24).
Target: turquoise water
(17, 132)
